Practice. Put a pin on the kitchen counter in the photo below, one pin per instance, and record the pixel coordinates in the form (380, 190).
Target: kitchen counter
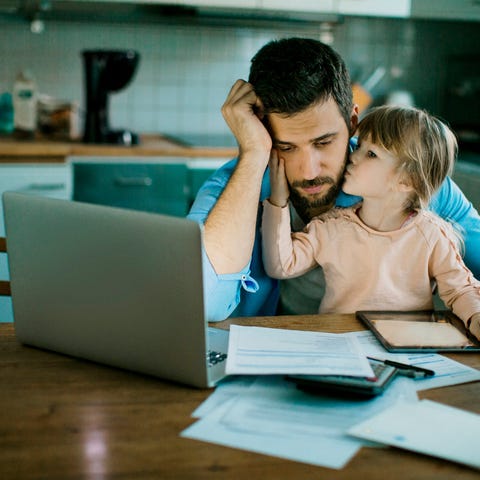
(42, 150)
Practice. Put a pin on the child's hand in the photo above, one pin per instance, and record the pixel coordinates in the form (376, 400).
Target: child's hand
(278, 181)
(475, 325)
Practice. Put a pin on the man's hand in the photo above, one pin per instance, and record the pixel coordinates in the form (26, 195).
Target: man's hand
(278, 181)
(475, 325)
(243, 112)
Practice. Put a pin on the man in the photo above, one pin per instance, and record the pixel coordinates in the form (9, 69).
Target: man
(298, 102)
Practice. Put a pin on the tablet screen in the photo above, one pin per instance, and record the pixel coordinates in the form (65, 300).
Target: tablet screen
(407, 333)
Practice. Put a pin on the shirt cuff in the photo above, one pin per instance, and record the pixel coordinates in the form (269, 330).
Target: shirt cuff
(222, 292)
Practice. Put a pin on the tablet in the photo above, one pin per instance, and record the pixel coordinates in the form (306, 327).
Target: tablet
(419, 331)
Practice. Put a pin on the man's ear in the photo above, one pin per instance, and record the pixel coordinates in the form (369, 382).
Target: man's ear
(353, 120)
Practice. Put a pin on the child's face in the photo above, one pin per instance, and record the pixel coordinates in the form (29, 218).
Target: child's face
(371, 171)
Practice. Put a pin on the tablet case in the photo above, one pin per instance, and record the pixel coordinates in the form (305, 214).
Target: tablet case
(419, 331)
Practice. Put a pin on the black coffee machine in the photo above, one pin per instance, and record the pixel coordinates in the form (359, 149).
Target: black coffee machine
(106, 71)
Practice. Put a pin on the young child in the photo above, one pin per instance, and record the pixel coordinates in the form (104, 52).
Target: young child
(388, 251)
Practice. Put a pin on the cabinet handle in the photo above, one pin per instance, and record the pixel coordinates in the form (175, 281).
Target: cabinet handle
(46, 186)
(133, 181)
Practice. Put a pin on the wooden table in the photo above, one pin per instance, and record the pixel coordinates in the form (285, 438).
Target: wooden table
(64, 419)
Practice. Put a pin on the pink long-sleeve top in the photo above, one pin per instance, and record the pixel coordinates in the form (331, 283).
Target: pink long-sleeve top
(370, 270)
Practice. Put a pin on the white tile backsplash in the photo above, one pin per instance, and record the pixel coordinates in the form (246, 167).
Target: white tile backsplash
(186, 71)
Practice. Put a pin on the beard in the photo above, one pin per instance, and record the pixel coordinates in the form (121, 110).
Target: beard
(307, 208)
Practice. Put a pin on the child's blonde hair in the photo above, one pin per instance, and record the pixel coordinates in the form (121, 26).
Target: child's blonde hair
(425, 146)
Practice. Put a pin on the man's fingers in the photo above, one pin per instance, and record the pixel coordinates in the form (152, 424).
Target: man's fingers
(240, 90)
(273, 161)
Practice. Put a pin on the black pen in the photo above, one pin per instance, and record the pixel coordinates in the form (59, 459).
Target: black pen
(413, 369)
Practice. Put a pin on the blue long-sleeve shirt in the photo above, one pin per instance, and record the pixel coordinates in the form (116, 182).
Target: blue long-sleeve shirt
(251, 292)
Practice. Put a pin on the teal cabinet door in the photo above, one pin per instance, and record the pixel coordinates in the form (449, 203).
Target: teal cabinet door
(152, 187)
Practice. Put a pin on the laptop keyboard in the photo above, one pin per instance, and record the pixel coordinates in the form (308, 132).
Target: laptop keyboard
(215, 357)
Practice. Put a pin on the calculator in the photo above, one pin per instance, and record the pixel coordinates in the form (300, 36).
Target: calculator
(345, 385)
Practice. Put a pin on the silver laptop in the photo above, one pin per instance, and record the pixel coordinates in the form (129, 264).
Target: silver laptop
(119, 287)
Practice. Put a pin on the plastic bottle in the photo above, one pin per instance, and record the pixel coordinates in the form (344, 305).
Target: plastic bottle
(25, 105)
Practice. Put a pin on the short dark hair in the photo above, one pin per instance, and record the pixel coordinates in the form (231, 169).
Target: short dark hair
(292, 74)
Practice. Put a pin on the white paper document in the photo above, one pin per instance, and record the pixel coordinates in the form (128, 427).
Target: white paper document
(275, 405)
(228, 389)
(266, 351)
(447, 371)
(324, 451)
(215, 427)
(426, 427)
(273, 417)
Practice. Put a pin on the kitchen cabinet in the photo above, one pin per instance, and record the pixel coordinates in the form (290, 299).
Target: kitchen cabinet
(164, 185)
(303, 9)
(52, 180)
(220, 3)
(182, 3)
(282, 9)
(446, 9)
(153, 186)
(299, 5)
(398, 8)
(312, 6)
(376, 8)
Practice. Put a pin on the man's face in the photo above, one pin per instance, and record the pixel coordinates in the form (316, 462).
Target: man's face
(314, 147)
